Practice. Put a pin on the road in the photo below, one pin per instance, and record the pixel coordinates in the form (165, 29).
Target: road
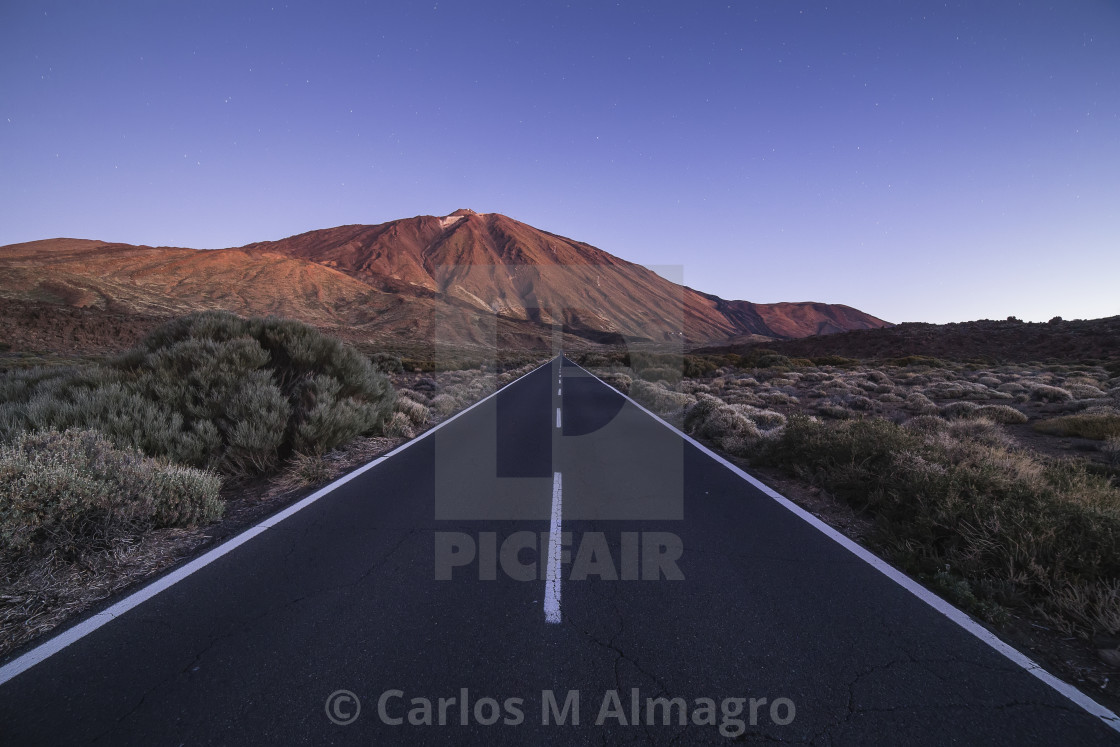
(513, 562)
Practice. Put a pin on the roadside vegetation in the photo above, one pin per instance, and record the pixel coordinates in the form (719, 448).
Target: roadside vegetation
(996, 485)
(113, 468)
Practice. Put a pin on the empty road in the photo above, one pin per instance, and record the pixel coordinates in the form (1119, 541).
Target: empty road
(554, 566)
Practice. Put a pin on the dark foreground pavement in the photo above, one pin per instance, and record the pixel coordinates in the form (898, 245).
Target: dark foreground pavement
(679, 580)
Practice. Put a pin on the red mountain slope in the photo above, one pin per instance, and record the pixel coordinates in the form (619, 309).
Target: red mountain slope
(416, 278)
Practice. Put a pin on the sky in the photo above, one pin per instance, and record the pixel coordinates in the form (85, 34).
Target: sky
(919, 161)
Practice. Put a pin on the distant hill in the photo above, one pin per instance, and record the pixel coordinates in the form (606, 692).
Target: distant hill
(400, 280)
(984, 340)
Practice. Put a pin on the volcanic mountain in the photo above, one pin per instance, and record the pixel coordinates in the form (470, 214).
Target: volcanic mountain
(463, 276)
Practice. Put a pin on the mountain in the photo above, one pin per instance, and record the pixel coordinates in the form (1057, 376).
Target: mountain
(499, 264)
(415, 278)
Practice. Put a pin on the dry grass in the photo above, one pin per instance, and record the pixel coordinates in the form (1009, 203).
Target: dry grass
(1099, 426)
(38, 594)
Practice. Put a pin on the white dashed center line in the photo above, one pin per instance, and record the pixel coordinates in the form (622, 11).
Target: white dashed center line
(552, 574)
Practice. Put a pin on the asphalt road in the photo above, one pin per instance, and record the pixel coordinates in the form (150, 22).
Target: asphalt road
(671, 577)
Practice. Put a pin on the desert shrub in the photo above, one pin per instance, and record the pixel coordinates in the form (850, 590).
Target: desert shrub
(833, 360)
(728, 426)
(1098, 426)
(920, 403)
(765, 419)
(416, 412)
(303, 470)
(946, 390)
(694, 387)
(387, 362)
(743, 397)
(1012, 387)
(958, 410)
(619, 381)
(658, 398)
(835, 409)
(1022, 530)
(74, 491)
(778, 398)
(399, 426)
(745, 381)
(672, 375)
(919, 360)
(772, 360)
(1004, 414)
(991, 381)
(861, 404)
(927, 424)
(979, 430)
(696, 366)
(877, 376)
(1083, 391)
(444, 404)
(1047, 393)
(699, 411)
(215, 390)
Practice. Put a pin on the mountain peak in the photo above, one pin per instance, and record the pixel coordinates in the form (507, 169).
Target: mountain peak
(389, 279)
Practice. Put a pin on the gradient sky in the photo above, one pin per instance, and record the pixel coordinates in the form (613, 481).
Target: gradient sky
(920, 161)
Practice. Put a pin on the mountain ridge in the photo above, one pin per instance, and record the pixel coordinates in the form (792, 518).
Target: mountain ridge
(404, 278)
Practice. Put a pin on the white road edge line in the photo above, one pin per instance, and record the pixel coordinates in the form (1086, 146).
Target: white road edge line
(945, 608)
(552, 575)
(60, 641)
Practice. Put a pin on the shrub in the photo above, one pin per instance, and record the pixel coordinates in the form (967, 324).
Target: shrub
(1024, 531)
(958, 410)
(1004, 414)
(835, 410)
(1099, 426)
(833, 360)
(927, 424)
(696, 366)
(416, 412)
(658, 398)
(445, 405)
(619, 381)
(308, 469)
(1084, 391)
(387, 362)
(920, 403)
(1047, 393)
(772, 360)
(672, 375)
(213, 390)
(861, 404)
(74, 491)
(728, 426)
(919, 360)
(778, 398)
(399, 426)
